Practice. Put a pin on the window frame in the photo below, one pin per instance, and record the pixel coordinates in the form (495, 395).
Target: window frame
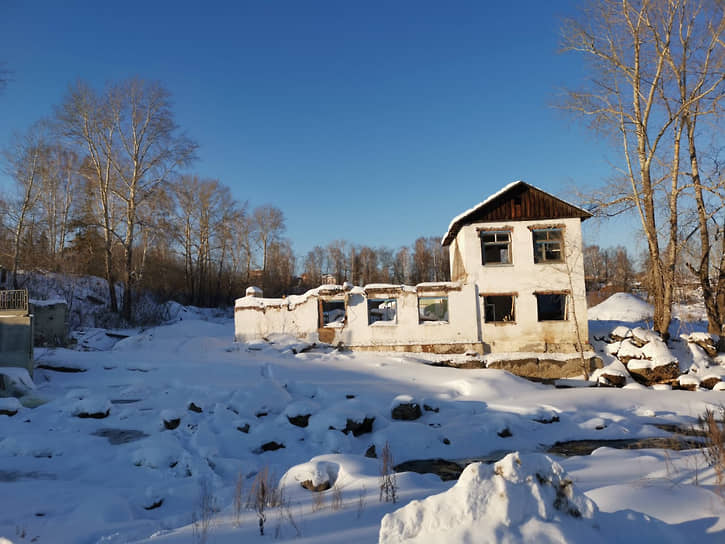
(540, 256)
(512, 296)
(566, 303)
(321, 313)
(381, 300)
(430, 297)
(508, 243)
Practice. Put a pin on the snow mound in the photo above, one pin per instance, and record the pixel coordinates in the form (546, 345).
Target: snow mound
(522, 498)
(621, 307)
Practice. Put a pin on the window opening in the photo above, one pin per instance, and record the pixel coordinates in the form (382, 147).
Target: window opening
(498, 308)
(548, 245)
(432, 309)
(496, 247)
(382, 309)
(552, 307)
(332, 312)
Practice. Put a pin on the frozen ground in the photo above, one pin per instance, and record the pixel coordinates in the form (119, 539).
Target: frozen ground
(89, 455)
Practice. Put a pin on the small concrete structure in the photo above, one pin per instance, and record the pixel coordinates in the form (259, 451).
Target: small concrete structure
(16, 330)
(50, 322)
(518, 287)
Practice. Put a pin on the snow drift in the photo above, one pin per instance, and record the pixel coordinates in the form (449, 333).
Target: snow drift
(621, 307)
(522, 498)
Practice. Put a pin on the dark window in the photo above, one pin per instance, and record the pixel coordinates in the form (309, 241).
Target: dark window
(548, 245)
(496, 247)
(551, 307)
(498, 308)
(382, 309)
(332, 312)
(432, 309)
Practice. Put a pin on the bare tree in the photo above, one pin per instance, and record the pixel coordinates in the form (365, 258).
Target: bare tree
(628, 44)
(85, 118)
(26, 163)
(314, 266)
(697, 64)
(134, 145)
(269, 226)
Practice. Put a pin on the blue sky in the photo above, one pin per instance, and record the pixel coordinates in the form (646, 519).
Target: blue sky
(375, 122)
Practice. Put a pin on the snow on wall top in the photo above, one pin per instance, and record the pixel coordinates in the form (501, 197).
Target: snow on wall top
(454, 224)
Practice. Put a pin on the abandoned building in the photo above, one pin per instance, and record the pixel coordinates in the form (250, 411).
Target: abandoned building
(16, 330)
(517, 286)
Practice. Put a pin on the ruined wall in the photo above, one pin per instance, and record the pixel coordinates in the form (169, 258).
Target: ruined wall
(523, 277)
(256, 318)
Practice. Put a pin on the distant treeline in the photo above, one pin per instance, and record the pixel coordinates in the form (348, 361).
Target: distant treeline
(98, 191)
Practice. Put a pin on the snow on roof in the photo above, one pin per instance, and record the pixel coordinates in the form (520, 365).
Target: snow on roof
(452, 227)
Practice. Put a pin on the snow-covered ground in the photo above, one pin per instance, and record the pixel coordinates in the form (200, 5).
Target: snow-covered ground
(149, 437)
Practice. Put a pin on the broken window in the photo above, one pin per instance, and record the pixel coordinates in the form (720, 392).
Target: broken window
(432, 309)
(498, 308)
(332, 312)
(551, 306)
(382, 309)
(496, 247)
(548, 245)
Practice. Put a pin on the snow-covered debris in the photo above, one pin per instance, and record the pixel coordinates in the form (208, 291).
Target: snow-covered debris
(689, 382)
(91, 407)
(316, 475)
(704, 340)
(522, 498)
(9, 406)
(620, 332)
(642, 336)
(405, 407)
(628, 351)
(621, 307)
(656, 353)
(15, 381)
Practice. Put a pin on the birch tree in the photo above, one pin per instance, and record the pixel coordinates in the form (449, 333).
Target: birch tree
(629, 48)
(86, 120)
(26, 162)
(133, 145)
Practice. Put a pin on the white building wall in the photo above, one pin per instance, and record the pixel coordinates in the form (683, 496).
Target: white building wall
(525, 278)
(256, 318)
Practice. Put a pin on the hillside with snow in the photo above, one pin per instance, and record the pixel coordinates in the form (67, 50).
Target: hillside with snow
(163, 434)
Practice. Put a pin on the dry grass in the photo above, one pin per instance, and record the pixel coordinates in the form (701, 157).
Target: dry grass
(318, 502)
(336, 501)
(712, 422)
(238, 495)
(388, 480)
(264, 494)
(202, 520)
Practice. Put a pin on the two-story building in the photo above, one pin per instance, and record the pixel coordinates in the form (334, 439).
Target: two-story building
(517, 285)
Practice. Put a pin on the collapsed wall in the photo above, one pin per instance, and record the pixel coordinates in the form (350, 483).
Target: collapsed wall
(435, 317)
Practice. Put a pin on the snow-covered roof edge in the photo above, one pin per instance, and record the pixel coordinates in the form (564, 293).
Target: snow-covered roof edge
(454, 225)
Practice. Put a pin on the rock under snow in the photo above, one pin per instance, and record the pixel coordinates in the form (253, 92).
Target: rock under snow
(9, 406)
(315, 475)
(521, 498)
(405, 407)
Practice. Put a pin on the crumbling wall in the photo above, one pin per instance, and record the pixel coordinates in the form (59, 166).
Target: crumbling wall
(256, 318)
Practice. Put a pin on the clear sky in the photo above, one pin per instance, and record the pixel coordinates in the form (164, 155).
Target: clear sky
(375, 122)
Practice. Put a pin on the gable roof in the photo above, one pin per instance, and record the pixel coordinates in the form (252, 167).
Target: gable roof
(516, 201)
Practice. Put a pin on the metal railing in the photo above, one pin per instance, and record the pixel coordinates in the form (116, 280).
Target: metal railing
(14, 300)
